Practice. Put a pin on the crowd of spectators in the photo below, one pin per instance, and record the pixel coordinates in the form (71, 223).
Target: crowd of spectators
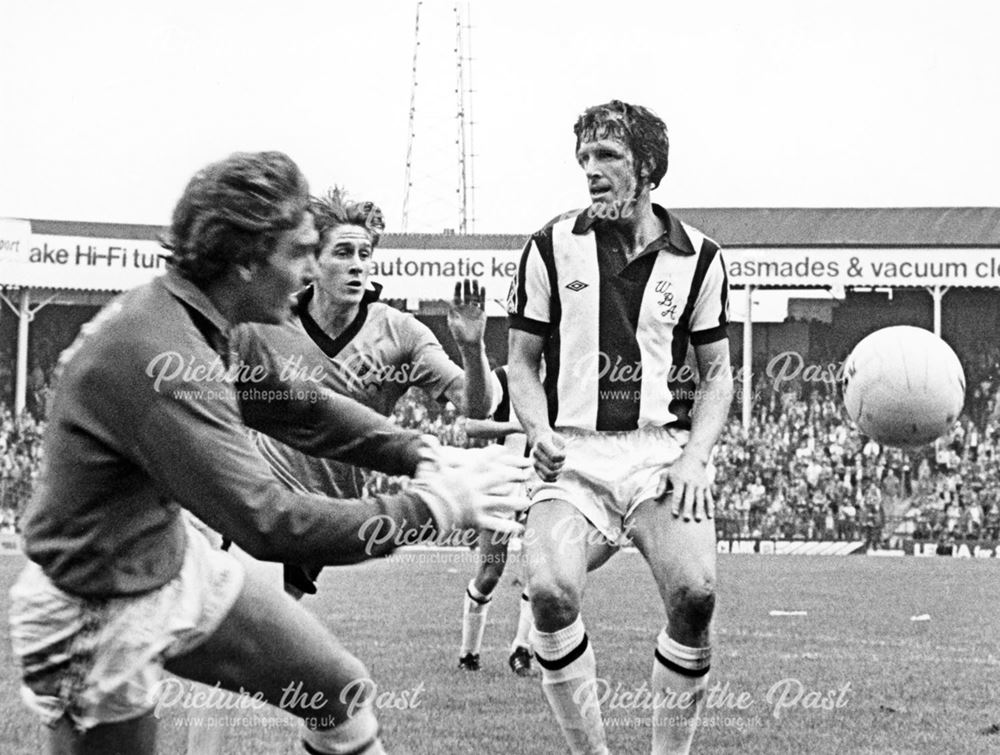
(804, 472)
(20, 459)
(801, 471)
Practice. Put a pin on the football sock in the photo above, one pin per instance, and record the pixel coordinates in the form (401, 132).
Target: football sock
(474, 610)
(678, 671)
(524, 620)
(358, 735)
(569, 680)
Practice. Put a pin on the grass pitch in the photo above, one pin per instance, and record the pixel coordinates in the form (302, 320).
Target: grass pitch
(861, 671)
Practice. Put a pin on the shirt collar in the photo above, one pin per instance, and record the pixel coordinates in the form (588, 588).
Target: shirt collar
(333, 346)
(674, 238)
(188, 293)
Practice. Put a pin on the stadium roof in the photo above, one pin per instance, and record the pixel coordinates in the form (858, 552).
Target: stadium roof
(894, 226)
(731, 226)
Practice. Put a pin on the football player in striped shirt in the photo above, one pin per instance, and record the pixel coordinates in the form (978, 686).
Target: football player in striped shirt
(627, 305)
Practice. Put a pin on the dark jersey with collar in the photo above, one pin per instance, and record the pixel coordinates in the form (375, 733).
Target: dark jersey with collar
(617, 333)
(379, 357)
(150, 414)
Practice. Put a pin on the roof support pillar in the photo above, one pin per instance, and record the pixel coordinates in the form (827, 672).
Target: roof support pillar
(937, 294)
(748, 360)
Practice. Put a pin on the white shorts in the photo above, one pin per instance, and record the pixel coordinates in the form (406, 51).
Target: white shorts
(100, 661)
(606, 475)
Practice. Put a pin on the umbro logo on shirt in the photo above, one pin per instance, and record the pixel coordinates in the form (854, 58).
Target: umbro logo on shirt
(576, 286)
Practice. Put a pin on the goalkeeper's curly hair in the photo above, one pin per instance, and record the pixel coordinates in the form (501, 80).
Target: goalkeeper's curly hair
(335, 209)
(639, 128)
(233, 212)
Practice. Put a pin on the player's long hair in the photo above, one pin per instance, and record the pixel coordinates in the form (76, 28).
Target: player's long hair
(335, 209)
(232, 213)
(639, 128)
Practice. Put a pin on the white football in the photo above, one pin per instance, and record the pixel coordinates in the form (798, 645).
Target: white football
(903, 386)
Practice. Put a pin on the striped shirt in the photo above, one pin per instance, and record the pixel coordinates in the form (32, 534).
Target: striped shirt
(617, 333)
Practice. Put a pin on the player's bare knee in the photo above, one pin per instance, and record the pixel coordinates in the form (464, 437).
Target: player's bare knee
(692, 604)
(488, 577)
(555, 603)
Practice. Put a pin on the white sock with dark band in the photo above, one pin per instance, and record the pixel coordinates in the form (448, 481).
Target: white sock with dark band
(474, 611)
(524, 620)
(358, 735)
(569, 680)
(680, 678)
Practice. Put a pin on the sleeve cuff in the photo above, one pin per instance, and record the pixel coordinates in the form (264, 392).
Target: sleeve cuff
(535, 327)
(704, 337)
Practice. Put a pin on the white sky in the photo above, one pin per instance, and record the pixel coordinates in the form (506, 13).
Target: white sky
(106, 108)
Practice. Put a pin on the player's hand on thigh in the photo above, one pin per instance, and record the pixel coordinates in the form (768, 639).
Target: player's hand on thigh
(475, 487)
(548, 452)
(686, 487)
